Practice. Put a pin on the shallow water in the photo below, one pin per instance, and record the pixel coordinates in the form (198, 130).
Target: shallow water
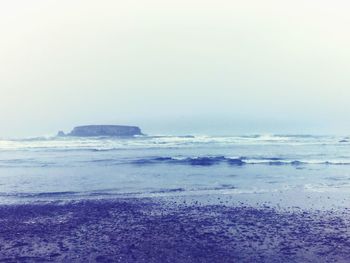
(259, 165)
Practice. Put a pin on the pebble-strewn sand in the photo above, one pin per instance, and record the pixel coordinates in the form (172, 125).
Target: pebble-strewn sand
(144, 230)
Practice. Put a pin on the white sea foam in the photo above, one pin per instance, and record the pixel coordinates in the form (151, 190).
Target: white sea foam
(107, 143)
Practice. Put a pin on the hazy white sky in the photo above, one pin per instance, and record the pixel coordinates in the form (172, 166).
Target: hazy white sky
(175, 66)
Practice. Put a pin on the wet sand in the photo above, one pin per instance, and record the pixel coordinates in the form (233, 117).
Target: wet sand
(148, 230)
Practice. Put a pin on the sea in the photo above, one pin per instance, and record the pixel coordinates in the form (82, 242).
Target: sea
(248, 167)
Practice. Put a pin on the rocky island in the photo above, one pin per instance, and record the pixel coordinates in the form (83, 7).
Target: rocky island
(103, 130)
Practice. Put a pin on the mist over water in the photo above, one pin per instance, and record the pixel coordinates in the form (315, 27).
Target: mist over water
(245, 118)
(204, 67)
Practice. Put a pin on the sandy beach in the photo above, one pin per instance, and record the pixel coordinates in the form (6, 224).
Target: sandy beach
(149, 230)
(174, 131)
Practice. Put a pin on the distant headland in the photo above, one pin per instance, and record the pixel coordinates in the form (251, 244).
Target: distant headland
(103, 130)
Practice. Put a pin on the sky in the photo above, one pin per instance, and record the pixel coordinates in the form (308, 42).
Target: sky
(175, 67)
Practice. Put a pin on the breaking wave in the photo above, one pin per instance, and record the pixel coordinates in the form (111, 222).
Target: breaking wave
(148, 142)
(235, 161)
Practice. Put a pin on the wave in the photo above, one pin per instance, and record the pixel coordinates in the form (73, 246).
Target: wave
(234, 161)
(111, 192)
(149, 142)
(41, 194)
(171, 160)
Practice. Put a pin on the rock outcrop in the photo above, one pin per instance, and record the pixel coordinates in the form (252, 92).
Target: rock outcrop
(104, 130)
(61, 133)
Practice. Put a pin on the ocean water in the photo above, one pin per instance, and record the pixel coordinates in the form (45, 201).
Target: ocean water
(37, 169)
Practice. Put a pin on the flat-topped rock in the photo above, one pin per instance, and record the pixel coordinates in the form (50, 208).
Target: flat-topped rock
(103, 130)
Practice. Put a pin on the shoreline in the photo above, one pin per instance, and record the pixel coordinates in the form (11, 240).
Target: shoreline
(150, 230)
